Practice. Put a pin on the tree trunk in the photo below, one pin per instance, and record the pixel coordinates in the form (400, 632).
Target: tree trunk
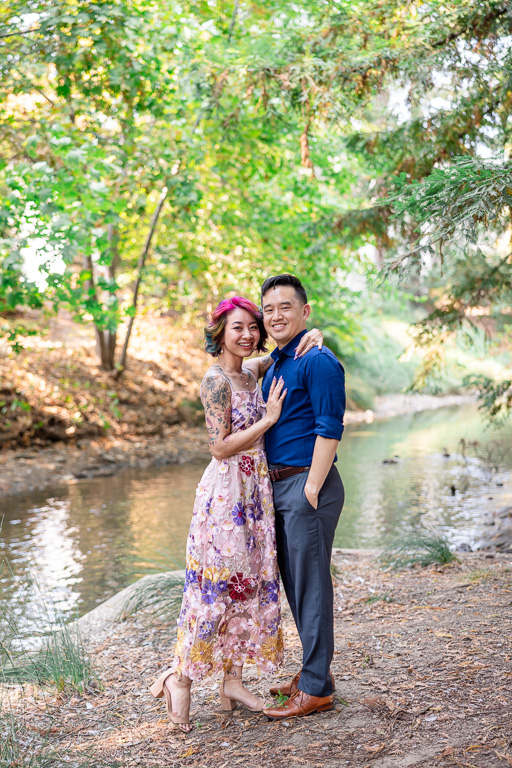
(106, 346)
(105, 339)
(140, 267)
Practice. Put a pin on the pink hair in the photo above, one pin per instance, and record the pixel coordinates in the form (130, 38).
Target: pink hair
(214, 331)
(227, 305)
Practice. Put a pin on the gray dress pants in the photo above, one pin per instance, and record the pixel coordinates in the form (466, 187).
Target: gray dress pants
(304, 545)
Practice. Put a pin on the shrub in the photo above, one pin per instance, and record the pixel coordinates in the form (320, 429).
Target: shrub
(418, 547)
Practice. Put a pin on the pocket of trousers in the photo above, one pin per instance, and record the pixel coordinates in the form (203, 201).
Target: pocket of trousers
(304, 497)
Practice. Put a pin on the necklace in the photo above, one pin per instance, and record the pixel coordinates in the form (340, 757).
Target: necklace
(242, 375)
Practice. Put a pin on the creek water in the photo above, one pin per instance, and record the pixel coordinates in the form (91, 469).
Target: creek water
(86, 541)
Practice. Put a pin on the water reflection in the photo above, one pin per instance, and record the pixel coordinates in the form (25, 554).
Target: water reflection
(424, 484)
(89, 540)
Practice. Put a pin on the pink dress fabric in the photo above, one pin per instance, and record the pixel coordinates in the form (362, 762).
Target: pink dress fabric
(231, 612)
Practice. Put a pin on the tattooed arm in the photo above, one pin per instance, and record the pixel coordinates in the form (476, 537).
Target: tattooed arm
(216, 398)
(258, 365)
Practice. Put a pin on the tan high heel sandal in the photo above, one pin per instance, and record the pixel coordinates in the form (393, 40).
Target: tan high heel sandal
(228, 704)
(159, 689)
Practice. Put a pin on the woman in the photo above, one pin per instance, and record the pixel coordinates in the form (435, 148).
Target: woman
(231, 611)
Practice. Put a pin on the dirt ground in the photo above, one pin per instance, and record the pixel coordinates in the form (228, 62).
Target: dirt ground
(423, 680)
(54, 393)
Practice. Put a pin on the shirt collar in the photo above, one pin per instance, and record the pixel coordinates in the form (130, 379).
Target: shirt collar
(290, 348)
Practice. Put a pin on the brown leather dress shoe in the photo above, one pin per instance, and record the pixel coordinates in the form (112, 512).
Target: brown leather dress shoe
(288, 688)
(300, 704)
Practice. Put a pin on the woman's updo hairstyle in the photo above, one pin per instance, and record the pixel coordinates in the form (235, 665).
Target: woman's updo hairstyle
(214, 331)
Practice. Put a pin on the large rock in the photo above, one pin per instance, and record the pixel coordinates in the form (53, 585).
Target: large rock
(101, 618)
(500, 538)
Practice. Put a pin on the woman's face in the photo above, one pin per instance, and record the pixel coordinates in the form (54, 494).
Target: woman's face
(241, 334)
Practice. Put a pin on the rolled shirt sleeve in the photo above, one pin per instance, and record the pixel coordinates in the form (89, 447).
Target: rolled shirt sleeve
(325, 382)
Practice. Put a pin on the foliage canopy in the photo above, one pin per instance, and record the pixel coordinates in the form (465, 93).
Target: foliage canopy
(288, 136)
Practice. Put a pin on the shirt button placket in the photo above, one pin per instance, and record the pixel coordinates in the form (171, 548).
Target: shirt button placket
(277, 369)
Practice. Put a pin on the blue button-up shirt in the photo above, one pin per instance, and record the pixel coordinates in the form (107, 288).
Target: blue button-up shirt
(314, 404)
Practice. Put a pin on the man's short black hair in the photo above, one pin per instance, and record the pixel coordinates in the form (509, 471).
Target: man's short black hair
(273, 282)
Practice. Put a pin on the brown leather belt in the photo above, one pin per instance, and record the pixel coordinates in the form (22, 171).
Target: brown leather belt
(284, 472)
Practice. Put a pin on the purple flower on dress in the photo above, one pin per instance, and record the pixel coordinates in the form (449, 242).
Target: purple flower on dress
(256, 512)
(255, 509)
(208, 506)
(274, 625)
(238, 513)
(208, 591)
(190, 578)
(220, 587)
(270, 593)
(252, 412)
(237, 420)
(250, 544)
(205, 629)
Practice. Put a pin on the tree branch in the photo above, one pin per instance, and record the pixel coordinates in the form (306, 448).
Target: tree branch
(140, 267)
(491, 16)
(35, 87)
(233, 20)
(20, 32)
(477, 295)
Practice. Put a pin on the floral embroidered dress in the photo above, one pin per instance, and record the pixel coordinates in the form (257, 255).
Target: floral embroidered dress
(231, 606)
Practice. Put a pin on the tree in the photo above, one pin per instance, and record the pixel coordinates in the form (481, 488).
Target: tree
(274, 128)
(428, 197)
(89, 147)
(107, 103)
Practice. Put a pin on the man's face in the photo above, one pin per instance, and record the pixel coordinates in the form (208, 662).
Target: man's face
(284, 315)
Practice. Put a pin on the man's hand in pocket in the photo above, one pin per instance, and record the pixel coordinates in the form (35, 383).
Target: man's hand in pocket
(311, 496)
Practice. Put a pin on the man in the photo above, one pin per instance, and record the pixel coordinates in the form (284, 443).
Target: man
(308, 491)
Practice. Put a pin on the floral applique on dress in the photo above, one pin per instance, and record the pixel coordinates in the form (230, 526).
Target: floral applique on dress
(231, 611)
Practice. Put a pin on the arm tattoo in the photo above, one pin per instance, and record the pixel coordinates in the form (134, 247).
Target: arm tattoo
(265, 363)
(216, 398)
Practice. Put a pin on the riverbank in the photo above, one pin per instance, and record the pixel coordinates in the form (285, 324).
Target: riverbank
(61, 464)
(422, 669)
(389, 406)
(35, 468)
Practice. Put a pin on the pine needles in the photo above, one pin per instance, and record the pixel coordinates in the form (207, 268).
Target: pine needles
(19, 749)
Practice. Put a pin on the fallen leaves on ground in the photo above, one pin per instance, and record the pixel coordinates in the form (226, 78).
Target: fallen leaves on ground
(409, 691)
